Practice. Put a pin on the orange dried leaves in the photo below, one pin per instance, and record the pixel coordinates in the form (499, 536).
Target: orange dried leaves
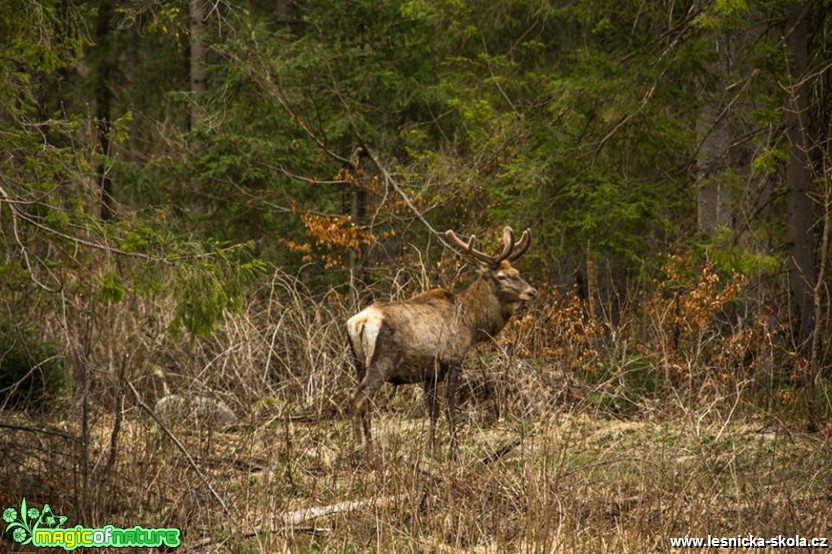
(332, 237)
(557, 327)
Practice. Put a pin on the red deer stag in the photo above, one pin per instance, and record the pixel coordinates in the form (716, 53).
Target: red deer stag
(425, 338)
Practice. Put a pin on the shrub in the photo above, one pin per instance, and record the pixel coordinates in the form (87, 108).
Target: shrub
(32, 373)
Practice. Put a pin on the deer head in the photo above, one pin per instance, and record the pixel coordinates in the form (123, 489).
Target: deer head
(497, 270)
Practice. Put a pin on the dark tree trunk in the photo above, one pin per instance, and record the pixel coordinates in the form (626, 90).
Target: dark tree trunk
(199, 77)
(131, 76)
(358, 212)
(103, 101)
(801, 262)
(288, 13)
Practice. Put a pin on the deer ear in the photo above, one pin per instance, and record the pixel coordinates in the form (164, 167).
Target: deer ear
(482, 268)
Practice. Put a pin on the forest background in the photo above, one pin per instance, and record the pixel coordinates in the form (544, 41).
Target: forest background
(194, 196)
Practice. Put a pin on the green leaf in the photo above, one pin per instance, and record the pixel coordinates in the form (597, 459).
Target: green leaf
(112, 290)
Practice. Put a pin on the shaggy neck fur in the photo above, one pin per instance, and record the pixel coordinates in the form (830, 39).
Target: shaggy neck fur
(482, 310)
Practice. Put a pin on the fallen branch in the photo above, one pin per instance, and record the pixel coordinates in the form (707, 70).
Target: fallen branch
(307, 514)
(291, 521)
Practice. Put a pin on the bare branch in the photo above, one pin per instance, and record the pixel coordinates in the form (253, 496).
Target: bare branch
(178, 444)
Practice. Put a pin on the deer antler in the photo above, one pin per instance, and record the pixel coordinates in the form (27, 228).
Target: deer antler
(510, 251)
(522, 245)
(468, 247)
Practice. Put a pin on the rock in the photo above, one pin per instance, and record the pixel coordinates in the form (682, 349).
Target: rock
(174, 409)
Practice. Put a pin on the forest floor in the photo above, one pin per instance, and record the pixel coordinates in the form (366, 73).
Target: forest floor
(575, 482)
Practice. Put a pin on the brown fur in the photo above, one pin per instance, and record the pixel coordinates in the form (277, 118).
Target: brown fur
(423, 339)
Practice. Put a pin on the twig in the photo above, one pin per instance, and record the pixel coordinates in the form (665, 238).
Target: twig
(53, 432)
(23, 249)
(20, 216)
(275, 91)
(13, 387)
(623, 121)
(820, 283)
(389, 180)
(118, 415)
(725, 110)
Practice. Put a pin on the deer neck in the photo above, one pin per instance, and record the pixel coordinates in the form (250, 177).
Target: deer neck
(481, 310)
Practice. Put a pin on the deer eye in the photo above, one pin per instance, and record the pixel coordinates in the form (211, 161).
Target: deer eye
(502, 276)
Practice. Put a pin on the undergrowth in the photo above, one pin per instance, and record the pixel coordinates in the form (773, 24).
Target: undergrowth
(578, 433)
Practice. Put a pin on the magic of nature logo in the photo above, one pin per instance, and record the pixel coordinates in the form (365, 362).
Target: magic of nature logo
(41, 527)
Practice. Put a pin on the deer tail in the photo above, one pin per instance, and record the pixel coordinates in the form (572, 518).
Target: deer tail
(363, 329)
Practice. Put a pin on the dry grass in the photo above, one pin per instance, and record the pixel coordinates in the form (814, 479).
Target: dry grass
(571, 483)
(561, 450)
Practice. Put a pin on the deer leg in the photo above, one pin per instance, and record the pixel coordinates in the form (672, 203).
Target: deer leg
(453, 374)
(360, 419)
(433, 411)
(362, 400)
(368, 432)
(360, 372)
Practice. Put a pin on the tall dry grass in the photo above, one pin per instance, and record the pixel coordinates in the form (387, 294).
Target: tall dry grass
(578, 434)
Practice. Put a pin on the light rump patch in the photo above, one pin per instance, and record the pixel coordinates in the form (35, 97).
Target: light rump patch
(363, 329)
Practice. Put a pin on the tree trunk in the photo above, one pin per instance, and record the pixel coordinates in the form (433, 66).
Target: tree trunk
(131, 76)
(199, 77)
(801, 263)
(713, 206)
(358, 211)
(288, 13)
(591, 281)
(103, 101)
(713, 134)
